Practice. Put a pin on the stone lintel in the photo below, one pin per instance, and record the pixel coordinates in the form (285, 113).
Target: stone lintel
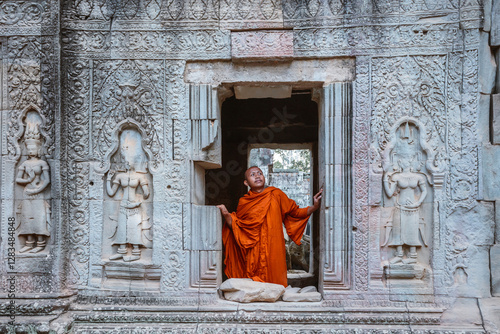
(299, 73)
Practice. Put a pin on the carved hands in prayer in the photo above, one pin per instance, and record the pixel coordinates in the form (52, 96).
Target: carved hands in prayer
(37, 187)
(225, 214)
(316, 202)
(21, 180)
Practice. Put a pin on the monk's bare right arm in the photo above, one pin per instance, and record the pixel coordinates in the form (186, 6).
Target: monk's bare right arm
(226, 215)
(316, 202)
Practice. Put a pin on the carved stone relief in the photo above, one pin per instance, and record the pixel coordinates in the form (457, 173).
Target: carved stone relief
(125, 72)
(76, 144)
(128, 90)
(30, 80)
(24, 13)
(408, 189)
(33, 176)
(127, 228)
(271, 45)
(361, 129)
(197, 44)
(462, 90)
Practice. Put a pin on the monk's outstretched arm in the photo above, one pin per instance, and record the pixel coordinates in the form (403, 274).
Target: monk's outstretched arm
(227, 216)
(316, 202)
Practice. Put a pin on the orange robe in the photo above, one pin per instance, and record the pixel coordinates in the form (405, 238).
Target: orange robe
(255, 247)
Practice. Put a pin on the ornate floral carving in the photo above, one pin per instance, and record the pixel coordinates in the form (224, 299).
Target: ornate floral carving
(174, 271)
(30, 86)
(310, 10)
(373, 40)
(181, 138)
(127, 90)
(85, 41)
(197, 44)
(409, 87)
(76, 148)
(23, 13)
(262, 44)
(176, 90)
(28, 309)
(172, 231)
(88, 9)
(250, 10)
(457, 258)
(264, 318)
(78, 218)
(76, 103)
(462, 95)
(361, 110)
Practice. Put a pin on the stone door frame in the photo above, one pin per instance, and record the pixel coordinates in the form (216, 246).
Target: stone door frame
(331, 83)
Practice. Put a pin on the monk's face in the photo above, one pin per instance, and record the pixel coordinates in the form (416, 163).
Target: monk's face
(254, 178)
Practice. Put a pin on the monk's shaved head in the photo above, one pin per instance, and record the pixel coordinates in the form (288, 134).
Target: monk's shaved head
(247, 172)
(255, 179)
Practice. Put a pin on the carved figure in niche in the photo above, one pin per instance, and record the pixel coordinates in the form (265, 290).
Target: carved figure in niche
(132, 222)
(404, 181)
(34, 209)
(410, 188)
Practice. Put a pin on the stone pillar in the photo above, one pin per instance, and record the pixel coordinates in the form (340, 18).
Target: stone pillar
(204, 223)
(494, 18)
(335, 166)
(204, 114)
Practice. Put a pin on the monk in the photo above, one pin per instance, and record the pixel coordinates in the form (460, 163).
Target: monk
(253, 235)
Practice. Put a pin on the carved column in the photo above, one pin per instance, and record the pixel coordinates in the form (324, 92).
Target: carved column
(335, 169)
(203, 223)
(204, 114)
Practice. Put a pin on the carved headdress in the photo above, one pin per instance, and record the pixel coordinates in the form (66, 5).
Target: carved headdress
(32, 135)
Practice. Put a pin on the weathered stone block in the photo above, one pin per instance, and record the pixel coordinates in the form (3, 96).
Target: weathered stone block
(484, 118)
(495, 23)
(463, 311)
(491, 176)
(244, 290)
(487, 14)
(307, 294)
(487, 65)
(497, 58)
(495, 270)
(254, 92)
(318, 70)
(205, 269)
(490, 311)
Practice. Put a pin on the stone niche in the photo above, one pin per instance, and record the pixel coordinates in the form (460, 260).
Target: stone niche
(33, 202)
(125, 173)
(127, 223)
(411, 174)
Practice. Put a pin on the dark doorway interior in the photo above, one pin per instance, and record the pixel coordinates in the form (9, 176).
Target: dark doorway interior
(287, 121)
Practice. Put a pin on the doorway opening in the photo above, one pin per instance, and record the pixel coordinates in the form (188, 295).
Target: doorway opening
(281, 137)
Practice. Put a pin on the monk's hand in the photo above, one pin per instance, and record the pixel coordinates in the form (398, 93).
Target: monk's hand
(316, 202)
(226, 214)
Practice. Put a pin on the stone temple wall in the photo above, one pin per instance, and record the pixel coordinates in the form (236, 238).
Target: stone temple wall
(111, 117)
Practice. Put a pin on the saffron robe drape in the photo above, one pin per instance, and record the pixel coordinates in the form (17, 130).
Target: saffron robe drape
(255, 247)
